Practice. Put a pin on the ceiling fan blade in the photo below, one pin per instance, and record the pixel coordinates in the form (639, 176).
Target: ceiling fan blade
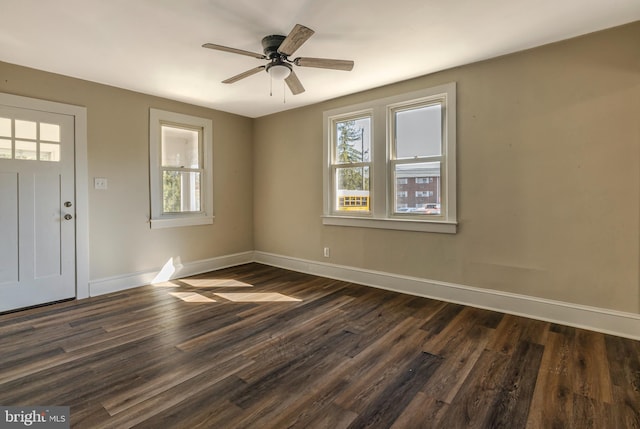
(324, 63)
(295, 39)
(233, 50)
(294, 83)
(243, 75)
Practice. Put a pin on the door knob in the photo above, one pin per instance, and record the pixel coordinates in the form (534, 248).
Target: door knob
(68, 204)
(68, 216)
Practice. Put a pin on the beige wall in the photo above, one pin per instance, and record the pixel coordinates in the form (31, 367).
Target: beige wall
(121, 242)
(548, 178)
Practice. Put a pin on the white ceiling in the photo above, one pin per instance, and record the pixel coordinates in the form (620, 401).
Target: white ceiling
(154, 46)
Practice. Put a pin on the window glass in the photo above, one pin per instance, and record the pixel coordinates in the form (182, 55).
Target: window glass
(181, 191)
(26, 129)
(352, 185)
(49, 152)
(426, 192)
(25, 150)
(353, 141)
(5, 127)
(5, 148)
(50, 132)
(418, 132)
(180, 147)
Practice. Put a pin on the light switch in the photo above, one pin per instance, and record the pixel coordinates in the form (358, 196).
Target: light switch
(100, 183)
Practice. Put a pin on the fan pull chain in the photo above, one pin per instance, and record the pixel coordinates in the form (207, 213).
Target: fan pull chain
(270, 86)
(284, 93)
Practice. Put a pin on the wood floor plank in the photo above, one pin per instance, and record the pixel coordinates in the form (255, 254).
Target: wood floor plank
(510, 409)
(388, 405)
(423, 412)
(512, 330)
(472, 407)
(454, 370)
(552, 402)
(336, 355)
(591, 375)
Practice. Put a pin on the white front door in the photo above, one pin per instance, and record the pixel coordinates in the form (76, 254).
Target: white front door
(37, 208)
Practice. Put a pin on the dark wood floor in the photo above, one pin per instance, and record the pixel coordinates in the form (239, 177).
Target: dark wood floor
(260, 347)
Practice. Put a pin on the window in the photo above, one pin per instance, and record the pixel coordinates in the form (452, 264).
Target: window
(180, 148)
(29, 140)
(399, 153)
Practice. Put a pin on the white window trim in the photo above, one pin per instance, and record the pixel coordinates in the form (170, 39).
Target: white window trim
(158, 219)
(380, 188)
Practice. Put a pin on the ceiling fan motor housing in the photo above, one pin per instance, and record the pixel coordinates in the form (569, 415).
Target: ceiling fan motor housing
(270, 45)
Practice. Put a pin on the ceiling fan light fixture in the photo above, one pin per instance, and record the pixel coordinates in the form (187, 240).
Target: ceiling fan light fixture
(279, 71)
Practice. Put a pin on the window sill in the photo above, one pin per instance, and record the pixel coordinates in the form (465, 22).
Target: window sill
(181, 221)
(444, 227)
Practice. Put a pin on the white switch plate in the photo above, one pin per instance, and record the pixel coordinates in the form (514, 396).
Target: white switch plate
(326, 252)
(100, 182)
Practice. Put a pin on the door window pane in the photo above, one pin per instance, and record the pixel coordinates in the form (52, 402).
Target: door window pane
(25, 150)
(25, 129)
(180, 191)
(5, 148)
(49, 152)
(419, 132)
(50, 132)
(5, 127)
(180, 147)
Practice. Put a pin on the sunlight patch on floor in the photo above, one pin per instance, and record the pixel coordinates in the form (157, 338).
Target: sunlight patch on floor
(257, 297)
(215, 283)
(191, 297)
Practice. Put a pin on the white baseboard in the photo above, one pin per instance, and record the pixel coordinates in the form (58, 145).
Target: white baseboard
(580, 316)
(171, 270)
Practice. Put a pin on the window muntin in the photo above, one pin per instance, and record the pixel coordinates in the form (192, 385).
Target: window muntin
(351, 164)
(413, 148)
(181, 163)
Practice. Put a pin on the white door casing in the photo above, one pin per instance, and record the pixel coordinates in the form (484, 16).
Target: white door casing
(39, 247)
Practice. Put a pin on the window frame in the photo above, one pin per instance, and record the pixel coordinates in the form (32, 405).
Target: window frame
(381, 186)
(158, 218)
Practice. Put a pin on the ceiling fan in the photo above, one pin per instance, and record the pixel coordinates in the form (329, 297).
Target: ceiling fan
(277, 50)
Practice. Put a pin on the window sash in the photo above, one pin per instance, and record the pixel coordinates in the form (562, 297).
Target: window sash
(394, 161)
(349, 207)
(201, 174)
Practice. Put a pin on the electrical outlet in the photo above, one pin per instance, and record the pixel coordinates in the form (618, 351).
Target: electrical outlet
(100, 183)
(326, 252)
